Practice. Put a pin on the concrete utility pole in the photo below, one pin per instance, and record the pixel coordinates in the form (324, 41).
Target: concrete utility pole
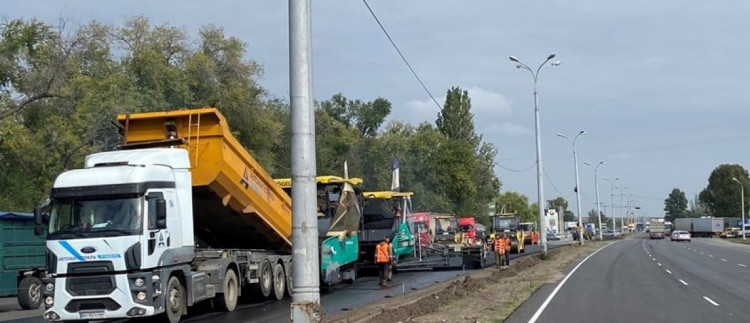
(598, 210)
(612, 200)
(578, 186)
(305, 276)
(742, 203)
(539, 182)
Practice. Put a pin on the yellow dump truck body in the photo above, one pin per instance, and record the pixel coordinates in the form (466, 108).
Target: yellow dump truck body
(236, 203)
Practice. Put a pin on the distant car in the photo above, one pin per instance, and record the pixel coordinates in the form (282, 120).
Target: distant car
(680, 235)
(610, 233)
(730, 233)
(552, 236)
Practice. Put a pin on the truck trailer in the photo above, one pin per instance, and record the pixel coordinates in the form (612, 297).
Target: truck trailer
(181, 213)
(22, 264)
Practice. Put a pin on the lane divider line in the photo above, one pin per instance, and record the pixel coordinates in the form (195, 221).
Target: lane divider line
(722, 259)
(668, 271)
(741, 265)
(554, 292)
(683, 282)
(710, 301)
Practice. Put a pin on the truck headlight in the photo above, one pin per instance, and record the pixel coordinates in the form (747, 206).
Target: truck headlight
(50, 287)
(139, 282)
(49, 300)
(141, 296)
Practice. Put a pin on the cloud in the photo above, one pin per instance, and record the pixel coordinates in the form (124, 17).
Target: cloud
(487, 106)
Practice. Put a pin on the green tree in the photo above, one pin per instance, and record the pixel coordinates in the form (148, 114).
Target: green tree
(721, 196)
(455, 120)
(514, 202)
(367, 117)
(696, 209)
(675, 205)
(560, 203)
(594, 218)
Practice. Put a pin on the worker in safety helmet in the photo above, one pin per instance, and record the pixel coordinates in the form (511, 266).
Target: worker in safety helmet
(383, 260)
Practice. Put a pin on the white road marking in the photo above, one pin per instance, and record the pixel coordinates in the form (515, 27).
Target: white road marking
(659, 264)
(654, 259)
(741, 265)
(554, 292)
(668, 271)
(722, 259)
(701, 253)
(711, 256)
(710, 301)
(683, 282)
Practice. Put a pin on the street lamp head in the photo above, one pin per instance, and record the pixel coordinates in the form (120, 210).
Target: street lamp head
(602, 163)
(551, 56)
(561, 135)
(587, 163)
(583, 132)
(735, 179)
(556, 63)
(514, 59)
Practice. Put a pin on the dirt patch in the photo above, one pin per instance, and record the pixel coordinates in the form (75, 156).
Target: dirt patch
(487, 295)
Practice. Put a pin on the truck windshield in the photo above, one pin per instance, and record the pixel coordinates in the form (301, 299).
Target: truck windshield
(87, 217)
(504, 224)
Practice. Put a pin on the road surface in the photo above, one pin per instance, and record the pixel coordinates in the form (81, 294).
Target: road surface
(640, 279)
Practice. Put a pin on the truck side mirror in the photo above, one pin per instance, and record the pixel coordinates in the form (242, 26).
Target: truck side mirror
(161, 213)
(38, 221)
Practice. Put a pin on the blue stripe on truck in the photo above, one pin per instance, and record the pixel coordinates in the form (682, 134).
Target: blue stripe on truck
(72, 250)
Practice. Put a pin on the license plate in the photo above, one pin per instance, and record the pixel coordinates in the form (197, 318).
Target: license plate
(91, 315)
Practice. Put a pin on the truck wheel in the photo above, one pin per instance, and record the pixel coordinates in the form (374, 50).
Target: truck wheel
(30, 293)
(289, 286)
(175, 302)
(265, 283)
(279, 281)
(227, 301)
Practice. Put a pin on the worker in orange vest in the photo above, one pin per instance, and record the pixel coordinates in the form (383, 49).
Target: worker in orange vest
(383, 259)
(502, 248)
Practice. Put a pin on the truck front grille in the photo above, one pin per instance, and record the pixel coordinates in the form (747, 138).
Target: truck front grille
(88, 286)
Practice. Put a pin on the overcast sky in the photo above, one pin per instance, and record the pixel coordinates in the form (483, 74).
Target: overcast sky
(661, 87)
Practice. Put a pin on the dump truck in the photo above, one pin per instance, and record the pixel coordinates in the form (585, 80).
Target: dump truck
(656, 228)
(181, 213)
(509, 223)
(339, 214)
(469, 235)
(22, 260)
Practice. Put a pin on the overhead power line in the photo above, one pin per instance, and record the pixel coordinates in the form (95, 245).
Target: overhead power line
(402, 55)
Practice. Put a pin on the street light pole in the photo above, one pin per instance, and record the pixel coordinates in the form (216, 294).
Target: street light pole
(612, 200)
(742, 202)
(578, 188)
(598, 205)
(622, 219)
(539, 184)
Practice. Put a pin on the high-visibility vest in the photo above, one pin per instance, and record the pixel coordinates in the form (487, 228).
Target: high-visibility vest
(381, 253)
(499, 248)
(505, 243)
